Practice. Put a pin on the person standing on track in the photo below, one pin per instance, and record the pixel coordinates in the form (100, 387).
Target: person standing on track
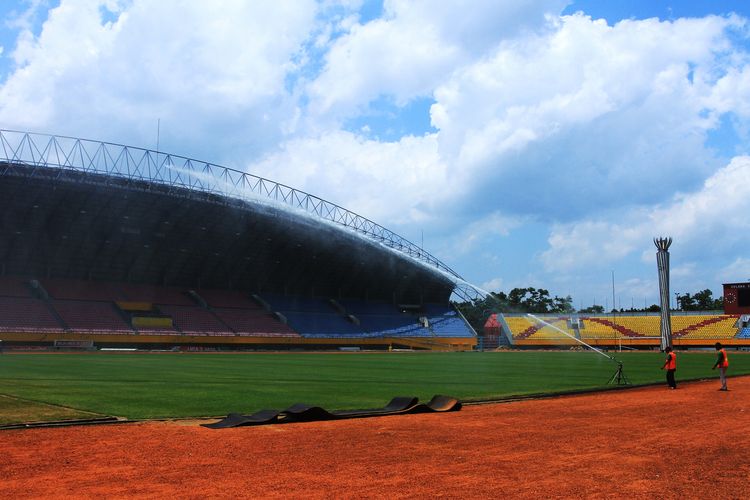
(670, 364)
(722, 363)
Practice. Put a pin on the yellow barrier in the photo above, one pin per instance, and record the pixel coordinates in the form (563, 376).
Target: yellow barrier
(150, 322)
(135, 306)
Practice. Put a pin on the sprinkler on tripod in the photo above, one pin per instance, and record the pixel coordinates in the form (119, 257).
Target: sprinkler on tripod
(618, 377)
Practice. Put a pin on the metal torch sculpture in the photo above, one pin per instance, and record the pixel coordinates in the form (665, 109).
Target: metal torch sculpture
(662, 263)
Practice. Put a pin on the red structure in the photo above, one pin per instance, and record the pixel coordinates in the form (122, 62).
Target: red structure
(491, 326)
(737, 298)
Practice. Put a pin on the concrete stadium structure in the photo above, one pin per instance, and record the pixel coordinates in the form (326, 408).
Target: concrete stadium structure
(91, 222)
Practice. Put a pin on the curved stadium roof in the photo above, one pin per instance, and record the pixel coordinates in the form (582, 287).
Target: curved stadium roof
(93, 210)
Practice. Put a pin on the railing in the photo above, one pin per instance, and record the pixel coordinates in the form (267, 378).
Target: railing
(138, 164)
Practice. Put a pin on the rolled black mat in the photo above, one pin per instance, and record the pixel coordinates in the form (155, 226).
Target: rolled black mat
(301, 412)
(237, 419)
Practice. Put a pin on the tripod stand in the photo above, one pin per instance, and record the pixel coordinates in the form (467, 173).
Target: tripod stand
(619, 377)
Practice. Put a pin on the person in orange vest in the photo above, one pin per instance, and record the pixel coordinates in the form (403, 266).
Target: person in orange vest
(722, 363)
(671, 366)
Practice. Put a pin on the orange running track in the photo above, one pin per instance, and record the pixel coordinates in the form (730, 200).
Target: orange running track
(639, 443)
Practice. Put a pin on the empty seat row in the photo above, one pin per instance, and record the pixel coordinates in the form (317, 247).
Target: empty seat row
(24, 314)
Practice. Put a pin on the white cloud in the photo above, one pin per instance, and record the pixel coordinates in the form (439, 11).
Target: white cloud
(711, 221)
(539, 120)
(684, 270)
(482, 231)
(400, 182)
(414, 47)
(24, 19)
(731, 93)
(737, 271)
(493, 285)
(212, 73)
(576, 118)
(553, 122)
(637, 289)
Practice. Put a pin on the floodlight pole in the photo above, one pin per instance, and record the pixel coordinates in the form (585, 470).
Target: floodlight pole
(662, 264)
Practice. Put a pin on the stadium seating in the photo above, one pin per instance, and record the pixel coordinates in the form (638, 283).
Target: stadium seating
(717, 327)
(90, 316)
(11, 286)
(227, 298)
(358, 307)
(613, 327)
(155, 294)
(253, 322)
(81, 290)
(194, 320)
(285, 303)
(744, 333)
(313, 317)
(683, 326)
(398, 325)
(26, 314)
(523, 327)
(322, 324)
(317, 317)
(380, 319)
(444, 321)
(638, 326)
(153, 325)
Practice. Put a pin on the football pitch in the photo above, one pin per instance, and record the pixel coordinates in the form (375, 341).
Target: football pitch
(37, 387)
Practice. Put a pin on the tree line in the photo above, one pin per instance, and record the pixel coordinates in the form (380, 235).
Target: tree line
(518, 300)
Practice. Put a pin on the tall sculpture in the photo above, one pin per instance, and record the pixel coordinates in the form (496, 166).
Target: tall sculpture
(662, 263)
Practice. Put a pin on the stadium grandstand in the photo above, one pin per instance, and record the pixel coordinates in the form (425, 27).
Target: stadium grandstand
(107, 245)
(637, 330)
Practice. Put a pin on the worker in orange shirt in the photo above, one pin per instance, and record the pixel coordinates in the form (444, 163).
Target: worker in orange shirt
(670, 364)
(722, 363)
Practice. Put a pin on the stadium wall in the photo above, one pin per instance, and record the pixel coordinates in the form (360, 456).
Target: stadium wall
(146, 342)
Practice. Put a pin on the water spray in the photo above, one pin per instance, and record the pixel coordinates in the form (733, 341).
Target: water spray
(618, 377)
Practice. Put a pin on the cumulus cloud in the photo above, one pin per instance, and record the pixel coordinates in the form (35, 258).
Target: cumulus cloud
(400, 181)
(577, 118)
(483, 231)
(711, 221)
(566, 116)
(493, 285)
(564, 126)
(212, 73)
(738, 270)
(413, 48)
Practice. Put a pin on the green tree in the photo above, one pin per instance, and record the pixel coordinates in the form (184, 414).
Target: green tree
(477, 312)
(700, 301)
(562, 305)
(593, 310)
(518, 300)
(704, 300)
(686, 302)
(531, 300)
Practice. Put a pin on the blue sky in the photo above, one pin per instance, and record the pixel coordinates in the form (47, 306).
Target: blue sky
(533, 143)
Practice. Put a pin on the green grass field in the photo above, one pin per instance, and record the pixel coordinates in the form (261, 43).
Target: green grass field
(168, 385)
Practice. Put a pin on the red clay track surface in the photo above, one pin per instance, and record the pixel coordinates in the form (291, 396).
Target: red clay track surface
(644, 443)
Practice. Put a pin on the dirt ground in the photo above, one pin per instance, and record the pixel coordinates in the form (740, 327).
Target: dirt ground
(641, 443)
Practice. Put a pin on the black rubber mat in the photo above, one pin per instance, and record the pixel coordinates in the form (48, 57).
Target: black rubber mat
(237, 419)
(305, 413)
(443, 403)
(395, 406)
